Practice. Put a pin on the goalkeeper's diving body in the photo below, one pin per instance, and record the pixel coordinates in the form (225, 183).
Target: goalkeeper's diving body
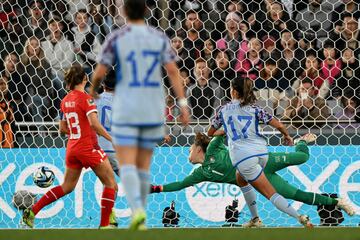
(216, 166)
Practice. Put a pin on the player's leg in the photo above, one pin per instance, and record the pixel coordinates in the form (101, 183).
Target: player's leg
(250, 199)
(116, 168)
(281, 160)
(105, 173)
(149, 137)
(114, 163)
(127, 156)
(126, 147)
(70, 180)
(130, 179)
(143, 165)
(290, 192)
(253, 173)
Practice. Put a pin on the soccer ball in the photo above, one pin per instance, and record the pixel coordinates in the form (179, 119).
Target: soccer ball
(23, 199)
(43, 177)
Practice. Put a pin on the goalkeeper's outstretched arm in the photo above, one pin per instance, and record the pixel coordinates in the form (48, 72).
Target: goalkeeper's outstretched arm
(196, 177)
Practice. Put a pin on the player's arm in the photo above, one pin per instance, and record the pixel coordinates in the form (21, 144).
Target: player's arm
(63, 128)
(174, 76)
(97, 76)
(106, 59)
(219, 132)
(281, 127)
(197, 176)
(96, 125)
(216, 123)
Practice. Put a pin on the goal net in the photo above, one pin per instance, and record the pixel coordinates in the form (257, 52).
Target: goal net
(303, 57)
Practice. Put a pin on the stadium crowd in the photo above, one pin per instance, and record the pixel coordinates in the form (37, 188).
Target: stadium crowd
(303, 56)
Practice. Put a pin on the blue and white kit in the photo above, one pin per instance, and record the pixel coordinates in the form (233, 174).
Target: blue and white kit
(247, 148)
(104, 107)
(138, 53)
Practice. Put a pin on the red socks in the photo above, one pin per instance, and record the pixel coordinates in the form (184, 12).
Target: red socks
(107, 203)
(51, 196)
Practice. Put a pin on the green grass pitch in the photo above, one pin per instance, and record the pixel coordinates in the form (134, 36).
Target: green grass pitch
(340, 233)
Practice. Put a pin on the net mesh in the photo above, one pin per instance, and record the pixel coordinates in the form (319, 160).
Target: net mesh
(303, 57)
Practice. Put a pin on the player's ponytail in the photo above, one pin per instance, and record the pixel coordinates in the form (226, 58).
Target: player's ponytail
(202, 141)
(74, 76)
(244, 88)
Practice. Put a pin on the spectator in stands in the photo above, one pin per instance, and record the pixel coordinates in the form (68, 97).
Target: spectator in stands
(252, 65)
(271, 85)
(224, 7)
(223, 72)
(76, 5)
(6, 11)
(99, 26)
(330, 69)
(59, 53)
(86, 44)
(308, 106)
(194, 37)
(41, 89)
(235, 39)
(208, 52)
(291, 57)
(349, 104)
(293, 6)
(200, 6)
(350, 75)
(348, 6)
(349, 34)
(36, 25)
(270, 49)
(60, 10)
(18, 83)
(315, 22)
(13, 38)
(117, 14)
(277, 21)
(187, 82)
(204, 96)
(58, 50)
(6, 115)
(311, 70)
(177, 44)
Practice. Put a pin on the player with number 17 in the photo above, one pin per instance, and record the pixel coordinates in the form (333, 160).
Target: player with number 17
(247, 147)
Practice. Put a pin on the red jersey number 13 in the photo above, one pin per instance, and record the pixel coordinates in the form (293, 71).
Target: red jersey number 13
(72, 120)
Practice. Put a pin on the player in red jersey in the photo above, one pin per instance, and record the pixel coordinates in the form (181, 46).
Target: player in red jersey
(80, 122)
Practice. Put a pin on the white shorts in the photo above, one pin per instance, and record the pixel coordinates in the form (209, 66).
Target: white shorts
(251, 167)
(143, 137)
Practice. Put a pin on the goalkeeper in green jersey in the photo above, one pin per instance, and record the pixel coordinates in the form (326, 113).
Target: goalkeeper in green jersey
(216, 166)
